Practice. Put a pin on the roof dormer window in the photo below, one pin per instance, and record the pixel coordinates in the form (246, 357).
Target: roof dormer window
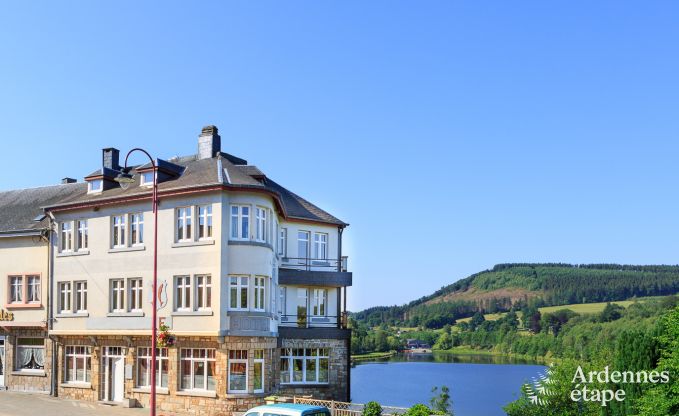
(95, 186)
(146, 179)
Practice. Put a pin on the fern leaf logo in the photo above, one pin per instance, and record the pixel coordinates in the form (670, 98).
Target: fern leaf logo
(538, 391)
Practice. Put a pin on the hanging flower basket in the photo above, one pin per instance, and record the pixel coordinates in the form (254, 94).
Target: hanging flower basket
(165, 339)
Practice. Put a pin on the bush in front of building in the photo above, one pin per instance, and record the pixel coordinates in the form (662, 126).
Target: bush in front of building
(372, 409)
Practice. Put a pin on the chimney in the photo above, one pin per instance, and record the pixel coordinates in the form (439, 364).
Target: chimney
(209, 143)
(110, 158)
(68, 180)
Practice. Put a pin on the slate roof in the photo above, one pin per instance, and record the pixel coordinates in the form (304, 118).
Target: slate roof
(19, 208)
(216, 171)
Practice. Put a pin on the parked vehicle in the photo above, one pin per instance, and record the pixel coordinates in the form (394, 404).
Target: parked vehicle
(288, 409)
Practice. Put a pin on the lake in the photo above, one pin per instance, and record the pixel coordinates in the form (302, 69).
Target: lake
(480, 385)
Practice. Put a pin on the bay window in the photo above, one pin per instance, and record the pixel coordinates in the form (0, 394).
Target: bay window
(238, 292)
(78, 364)
(259, 295)
(240, 222)
(144, 367)
(238, 371)
(197, 369)
(261, 224)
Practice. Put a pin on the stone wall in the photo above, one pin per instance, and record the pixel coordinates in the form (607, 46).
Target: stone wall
(26, 381)
(172, 399)
(337, 388)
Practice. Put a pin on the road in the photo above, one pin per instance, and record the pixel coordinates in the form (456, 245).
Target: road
(25, 404)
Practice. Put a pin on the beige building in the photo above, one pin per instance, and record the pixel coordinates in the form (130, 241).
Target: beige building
(252, 286)
(25, 349)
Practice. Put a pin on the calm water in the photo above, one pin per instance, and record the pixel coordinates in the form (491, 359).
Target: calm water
(479, 384)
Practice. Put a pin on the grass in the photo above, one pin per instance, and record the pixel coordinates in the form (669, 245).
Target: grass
(372, 355)
(581, 308)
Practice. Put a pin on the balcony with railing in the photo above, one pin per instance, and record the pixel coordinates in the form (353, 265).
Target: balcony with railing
(314, 272)
(310, 326)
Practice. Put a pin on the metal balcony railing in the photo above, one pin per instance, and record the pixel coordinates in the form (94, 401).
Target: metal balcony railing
(307, 321)
(311, 264)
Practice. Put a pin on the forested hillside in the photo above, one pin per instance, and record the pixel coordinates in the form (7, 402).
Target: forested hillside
(516, 285)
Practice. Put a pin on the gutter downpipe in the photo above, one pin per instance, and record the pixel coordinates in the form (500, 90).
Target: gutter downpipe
(50, 313)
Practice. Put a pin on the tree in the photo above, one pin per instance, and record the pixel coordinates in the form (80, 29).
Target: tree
(441, 402)
(611, 312)
(418, 410)
(372, 409)
(444, 342)
(477, 320)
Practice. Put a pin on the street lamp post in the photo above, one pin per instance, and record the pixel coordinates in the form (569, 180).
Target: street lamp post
(126, 178)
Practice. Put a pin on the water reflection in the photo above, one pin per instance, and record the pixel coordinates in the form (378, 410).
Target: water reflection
(449, 357)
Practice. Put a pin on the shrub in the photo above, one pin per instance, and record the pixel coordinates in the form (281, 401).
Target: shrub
(372, 409)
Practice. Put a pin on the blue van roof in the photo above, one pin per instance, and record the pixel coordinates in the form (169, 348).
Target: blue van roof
(298, 407)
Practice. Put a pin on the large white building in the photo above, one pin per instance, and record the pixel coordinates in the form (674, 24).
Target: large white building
(252, 277)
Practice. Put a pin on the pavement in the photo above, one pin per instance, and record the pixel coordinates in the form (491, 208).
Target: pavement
(35, 404)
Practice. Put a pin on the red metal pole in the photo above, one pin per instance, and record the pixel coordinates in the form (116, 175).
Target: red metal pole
(154, 313)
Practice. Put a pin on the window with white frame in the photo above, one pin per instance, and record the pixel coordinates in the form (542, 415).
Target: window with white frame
(240, 222)
(303, 244)
(117, 295)
(259, 293)
(30, 354)
(66, 236)
(80, 296)
(182, 293)
(65, 297)
(95, 186)
(281, 300)
(304, 365)
(33, 289)
(238, 371)
(78, 364)
(197, 369)
(319, 302)
(238, 292)
(118, 231)
(144, 367)
(146, 179)
(203, 292)
(321, 245)
(258, 373)
(184, 224)
(82, 241)
(261, 227)
(135, 294)
(16, 289)
(204, 221)
(137, 229)
(283, 242)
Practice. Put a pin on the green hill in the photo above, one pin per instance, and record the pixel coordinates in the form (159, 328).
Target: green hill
(515, 285)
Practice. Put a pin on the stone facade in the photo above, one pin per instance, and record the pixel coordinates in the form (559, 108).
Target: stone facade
(35, 381)
(173, 399)
(337, 388)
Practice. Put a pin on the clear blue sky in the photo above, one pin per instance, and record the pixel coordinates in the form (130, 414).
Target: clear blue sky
(451, 135)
